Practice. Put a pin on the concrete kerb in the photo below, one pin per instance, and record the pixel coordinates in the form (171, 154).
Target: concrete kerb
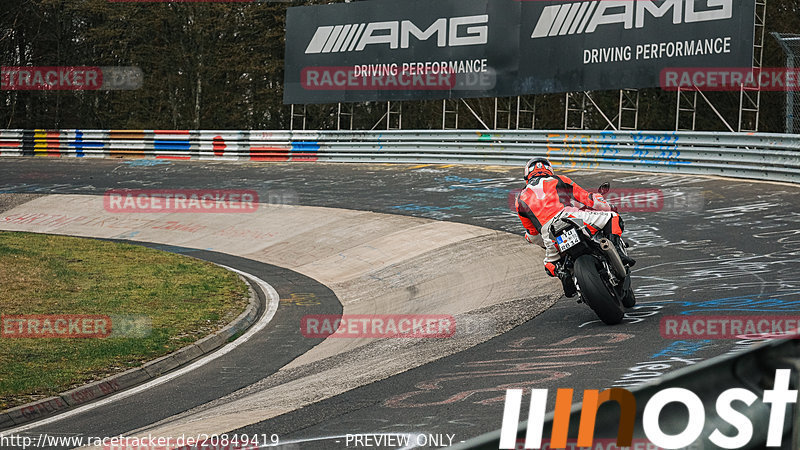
(89, 392)
(5, 421)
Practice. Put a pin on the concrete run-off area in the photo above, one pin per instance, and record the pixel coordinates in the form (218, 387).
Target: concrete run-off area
(375, 264)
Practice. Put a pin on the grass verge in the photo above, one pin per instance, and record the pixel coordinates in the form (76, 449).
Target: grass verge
(174, 299)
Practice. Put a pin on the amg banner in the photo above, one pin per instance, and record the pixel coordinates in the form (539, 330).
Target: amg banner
(381, 50)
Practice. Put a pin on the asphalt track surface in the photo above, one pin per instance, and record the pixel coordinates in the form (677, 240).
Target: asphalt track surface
(718, 246)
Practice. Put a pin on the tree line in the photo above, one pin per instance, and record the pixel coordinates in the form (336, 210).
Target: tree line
(220, 66)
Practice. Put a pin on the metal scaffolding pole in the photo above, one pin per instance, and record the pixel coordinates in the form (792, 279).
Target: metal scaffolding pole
(749, 97)
(687, 104)
(525, 107)
(475, 114)
(301, 115)
(574, 111)
(791, 47)
(575, 107)
(346, 112)
(394, 115)
(600, 110)
(502, 113)
(628, 116)
(449, 113)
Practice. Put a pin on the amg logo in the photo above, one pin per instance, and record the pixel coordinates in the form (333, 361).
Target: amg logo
(584, 17)
(397, 34)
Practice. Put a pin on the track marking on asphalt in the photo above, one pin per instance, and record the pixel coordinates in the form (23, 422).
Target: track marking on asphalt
(273, 300)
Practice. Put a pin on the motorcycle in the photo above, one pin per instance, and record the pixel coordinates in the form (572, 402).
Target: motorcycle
(601, 279)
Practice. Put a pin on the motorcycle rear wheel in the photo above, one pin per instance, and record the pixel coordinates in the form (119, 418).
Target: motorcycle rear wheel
(596, 293)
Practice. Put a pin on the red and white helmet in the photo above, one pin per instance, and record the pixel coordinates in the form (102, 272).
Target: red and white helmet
(538, 167)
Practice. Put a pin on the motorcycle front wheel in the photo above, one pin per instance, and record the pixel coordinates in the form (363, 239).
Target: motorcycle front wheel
(595, 292)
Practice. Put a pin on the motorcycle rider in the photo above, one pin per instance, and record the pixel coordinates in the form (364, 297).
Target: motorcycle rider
(548, 196)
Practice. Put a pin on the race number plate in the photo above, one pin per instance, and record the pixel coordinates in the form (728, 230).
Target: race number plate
(567, 240)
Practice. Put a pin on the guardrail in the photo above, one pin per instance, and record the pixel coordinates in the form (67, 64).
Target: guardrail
(772, 157)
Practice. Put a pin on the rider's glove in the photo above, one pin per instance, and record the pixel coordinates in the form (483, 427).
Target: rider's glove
(550, 268)
(529, 238)
(600, 203)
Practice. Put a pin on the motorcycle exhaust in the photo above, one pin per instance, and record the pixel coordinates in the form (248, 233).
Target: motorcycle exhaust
(613, 256)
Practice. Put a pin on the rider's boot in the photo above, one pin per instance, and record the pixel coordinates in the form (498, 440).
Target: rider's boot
(623, 253)
(567, 283)
(569, 286)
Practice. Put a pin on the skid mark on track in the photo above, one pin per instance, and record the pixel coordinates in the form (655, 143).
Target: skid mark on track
(520, 360)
